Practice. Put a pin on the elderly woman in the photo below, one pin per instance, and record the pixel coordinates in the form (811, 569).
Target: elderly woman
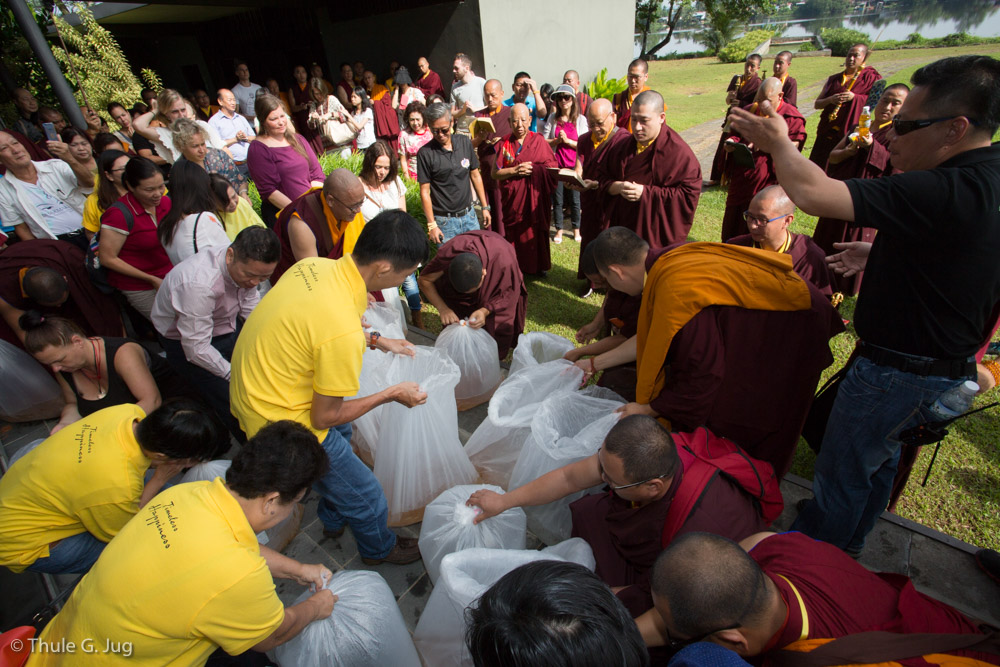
(190, 139)
(154, 127)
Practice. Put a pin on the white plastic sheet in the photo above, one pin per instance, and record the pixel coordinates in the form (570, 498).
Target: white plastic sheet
(419, 454)
(385, 318)
(465, 576)
(538, 347)
(207, 471)
(365, 629)
(448, 527)
(29, 393)
(475, 353)
(366, 427)
(563, 431)
(497, 442)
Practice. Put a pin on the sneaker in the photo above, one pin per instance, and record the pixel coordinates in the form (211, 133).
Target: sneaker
(405, 551)
(988, 561)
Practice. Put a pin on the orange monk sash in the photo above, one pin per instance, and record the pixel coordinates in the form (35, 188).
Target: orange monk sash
(695, 276)
(942, 659)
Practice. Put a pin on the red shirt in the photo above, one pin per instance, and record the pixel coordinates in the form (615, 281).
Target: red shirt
(142, 247)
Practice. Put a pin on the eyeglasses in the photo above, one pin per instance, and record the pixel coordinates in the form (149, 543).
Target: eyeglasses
(600, 122)
(612, 485)
(901, 127)
(440, 130)
(350, 207)
(758, 221)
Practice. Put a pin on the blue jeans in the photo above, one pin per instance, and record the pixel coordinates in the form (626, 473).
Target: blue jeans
(452, 227)
(557, 205)
(351, 494)
(73, 555)
(411, 291)
(857, 462)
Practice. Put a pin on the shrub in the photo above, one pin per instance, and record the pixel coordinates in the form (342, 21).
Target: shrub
(807, 46)
(840, 40)
(604, 87)
(737, 51)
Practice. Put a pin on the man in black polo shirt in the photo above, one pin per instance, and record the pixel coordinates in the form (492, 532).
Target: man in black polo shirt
(931, 282)
(444, 168)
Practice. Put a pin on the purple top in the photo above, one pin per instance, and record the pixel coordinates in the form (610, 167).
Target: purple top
(282, 169)
(565, 155)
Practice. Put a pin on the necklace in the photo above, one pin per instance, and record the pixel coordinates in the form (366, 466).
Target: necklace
(101, 391)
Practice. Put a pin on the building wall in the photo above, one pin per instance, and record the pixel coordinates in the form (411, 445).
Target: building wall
(545, 38)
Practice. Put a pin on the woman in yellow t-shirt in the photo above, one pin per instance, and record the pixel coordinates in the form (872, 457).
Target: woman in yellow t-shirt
(237, 213)
(108, 189)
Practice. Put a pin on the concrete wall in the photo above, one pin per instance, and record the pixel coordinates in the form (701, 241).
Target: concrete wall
(545, 38)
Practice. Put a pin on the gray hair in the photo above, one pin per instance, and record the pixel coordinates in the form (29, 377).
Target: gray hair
(436, 111)
(184, 130)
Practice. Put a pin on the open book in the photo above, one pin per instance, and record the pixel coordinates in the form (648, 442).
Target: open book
(567, 175)
(481, 126)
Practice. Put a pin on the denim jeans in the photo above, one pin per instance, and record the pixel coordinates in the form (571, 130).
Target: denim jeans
(411, 291)
(452, 227)
(857, 461)
(351, 494)
(73, 555)
(557, 205)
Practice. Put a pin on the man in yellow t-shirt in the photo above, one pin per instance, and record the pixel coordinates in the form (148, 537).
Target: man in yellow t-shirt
(299, 356)
(187, 577)
(64, 500)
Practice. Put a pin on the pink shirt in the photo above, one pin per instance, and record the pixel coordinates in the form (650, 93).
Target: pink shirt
(409, 145)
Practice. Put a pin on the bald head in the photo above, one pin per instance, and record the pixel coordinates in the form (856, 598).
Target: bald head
(774, 198)
(647, 116)
(493, 94)
(520, 120)
(599, 108)
(649, 99)
(770, 90)
(343, 187)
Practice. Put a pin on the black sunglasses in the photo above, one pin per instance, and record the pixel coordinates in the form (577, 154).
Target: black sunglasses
(901, 127)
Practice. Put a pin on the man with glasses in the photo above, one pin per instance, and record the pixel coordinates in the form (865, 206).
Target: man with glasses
(324, 222)
(638, 74)
(768, 217)
(931, 286)
(645, 476)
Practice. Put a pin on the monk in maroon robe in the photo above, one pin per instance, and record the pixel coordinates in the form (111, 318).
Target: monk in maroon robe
(653, 179)
(65, 289)
(842, 99)
(428, 81)
(488, 143)
(475, 277)
(865, 158)
(793, 592)
(386, 121)
(638, 74)
(745, 182)
(789, 86)
(526, 191)
(592, 151)
(742, 91)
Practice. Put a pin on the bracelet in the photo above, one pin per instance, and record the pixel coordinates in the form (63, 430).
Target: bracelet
(373, 340)
(431, 226)
(485, 208)
(593, 369)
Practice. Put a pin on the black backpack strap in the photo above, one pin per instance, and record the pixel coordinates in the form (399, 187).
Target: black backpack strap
(194, 236)
(127, 213)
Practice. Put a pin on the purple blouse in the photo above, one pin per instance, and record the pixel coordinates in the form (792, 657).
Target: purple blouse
(282, 169)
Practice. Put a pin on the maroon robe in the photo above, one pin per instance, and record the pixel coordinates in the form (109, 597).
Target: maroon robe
(430, 84)
(830, 132)
(745, 182)
(672, 178)
(871, 162)
(593, 207)
(583, 100)
(623, 108)
(745, 94)
(502, 292)
(808, 259)
(301, 119)
(311, 209)
(526, 201)
(487, 153)
(97, 313)
(386, 121)
(841, 597)
(790, 91)
(621, 312)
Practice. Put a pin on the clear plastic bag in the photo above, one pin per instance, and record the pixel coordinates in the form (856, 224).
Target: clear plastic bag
(385, 318)
(366, 628)
(475, 353)
(207, 471)
(448, 527)
(29, 393)
(366, 427)
(19, 454)
(465, 576)
(419, 454)
(496, 443)
(538, 347)
(563, 431)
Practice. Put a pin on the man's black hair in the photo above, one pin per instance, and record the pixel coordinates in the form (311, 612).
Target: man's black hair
(644, 446)
(44, 286)
(284, 456)
(962, 85)
(465, 272)
(258, 244)
(619, 246)
(183, 429)
(392, 236)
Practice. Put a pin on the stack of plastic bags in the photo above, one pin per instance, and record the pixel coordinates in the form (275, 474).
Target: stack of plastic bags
(475, 353)
(538, 347)
(418, 454)
(562, 432)
(386, 319)
(365, 629)
(29, 393)
(448, 527)
(465, 576)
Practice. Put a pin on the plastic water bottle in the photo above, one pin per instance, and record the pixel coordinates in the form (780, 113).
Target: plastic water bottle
(865, 122)
(955, 401)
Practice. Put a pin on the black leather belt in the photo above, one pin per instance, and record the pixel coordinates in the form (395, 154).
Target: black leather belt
(447, 214)
(956, 369)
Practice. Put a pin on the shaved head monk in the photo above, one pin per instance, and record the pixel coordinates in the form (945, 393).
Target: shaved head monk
(475, 277)
(429, 81)
(652, 181)
(375, 90)
(789, 86)
(712, 316)
(768, 217)
(841, 101)
(645, 468)
(487, 142)
(638, 74)
(526, 191)
(572, 78)
(741, 91)
(788, 592)
(746, 181)
(324, 222)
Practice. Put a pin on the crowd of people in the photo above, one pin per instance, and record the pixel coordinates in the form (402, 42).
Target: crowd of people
(179, 322)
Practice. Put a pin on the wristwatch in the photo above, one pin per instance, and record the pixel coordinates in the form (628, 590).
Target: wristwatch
(485, 208)
(373, 340)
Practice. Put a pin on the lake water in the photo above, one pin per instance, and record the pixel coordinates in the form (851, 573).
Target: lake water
(891, 25)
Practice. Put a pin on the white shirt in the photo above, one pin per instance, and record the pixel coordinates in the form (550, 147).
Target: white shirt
(366, 137)
(245, 98)
(471, 92)
(210, 233)
(377, 201)
(228, 128)
(54, 177)
(59, 216)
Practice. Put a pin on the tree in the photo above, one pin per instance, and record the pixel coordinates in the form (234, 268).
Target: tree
(648, 12)
(724, 18)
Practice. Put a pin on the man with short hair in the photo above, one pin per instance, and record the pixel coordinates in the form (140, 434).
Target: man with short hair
(429, 81)
(486, 145)
(466, 93)
(572, 78)
(475, 277)
(43, 200)
(299, 357)
(197, 307)
(768, 217)
(789, 86)
(203, 107)
(445, 167)
(54, 116)
(841, 102)
(523, 85)
(375, 90)
(27, 115)
(659, 490)
(653, 180)
(925, 307)
(245, 92)
(712, 316)
(742, 91)
(236, 131)
(638, 74)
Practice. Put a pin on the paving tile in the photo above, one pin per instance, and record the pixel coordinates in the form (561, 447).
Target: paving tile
(341, 549)
(14, 436)
(304, 550)
(400, 578)
(792, 492)
(952, 576)
(412, 603)
(887, 549)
